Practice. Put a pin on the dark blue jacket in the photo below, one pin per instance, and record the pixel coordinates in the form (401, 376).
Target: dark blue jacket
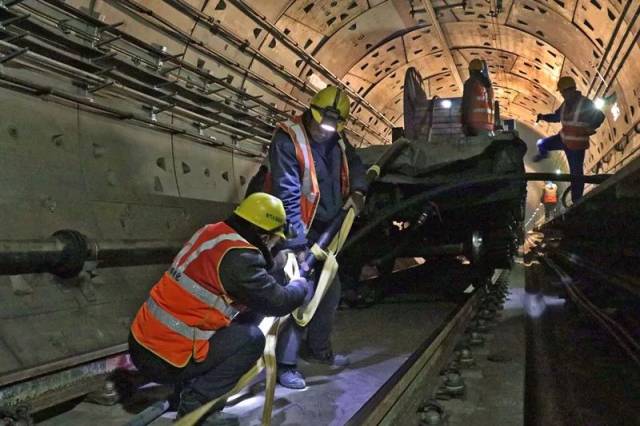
(594, 116)
(327, 158)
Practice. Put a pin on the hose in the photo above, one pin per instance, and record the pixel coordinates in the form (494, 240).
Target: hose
(450, 187)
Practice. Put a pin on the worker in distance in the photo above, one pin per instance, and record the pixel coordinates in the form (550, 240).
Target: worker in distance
(477, 115)
(580, 119)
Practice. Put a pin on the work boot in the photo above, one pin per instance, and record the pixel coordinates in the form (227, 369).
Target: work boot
(190, 401)
(539, 157)
(327, 358)
(291, 378)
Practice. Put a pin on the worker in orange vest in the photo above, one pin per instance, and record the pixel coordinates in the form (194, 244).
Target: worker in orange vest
(314, 170)
(199, 326)
(477, 102)
(580, 119)
(549, 198)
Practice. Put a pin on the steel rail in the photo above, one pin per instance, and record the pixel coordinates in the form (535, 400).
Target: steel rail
(423, 362)
(628, 343)
(596, 271)
(61, 364)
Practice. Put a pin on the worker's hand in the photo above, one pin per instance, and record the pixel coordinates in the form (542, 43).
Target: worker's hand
(295, 244)
(280, 259)
(308, 287)
(356, 201)
(539, 118)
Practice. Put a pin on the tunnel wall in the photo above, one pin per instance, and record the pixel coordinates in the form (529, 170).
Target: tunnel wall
(67, 167)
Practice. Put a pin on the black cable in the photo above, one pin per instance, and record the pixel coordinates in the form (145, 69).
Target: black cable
(450, 187)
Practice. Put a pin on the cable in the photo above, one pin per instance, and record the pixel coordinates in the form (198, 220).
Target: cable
(627, 342)
(450, 187)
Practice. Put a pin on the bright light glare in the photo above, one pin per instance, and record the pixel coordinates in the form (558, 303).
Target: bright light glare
(446, 103)
(599, 103)
(317, 82)
(328, 127)
(615, 111)
(558, 171)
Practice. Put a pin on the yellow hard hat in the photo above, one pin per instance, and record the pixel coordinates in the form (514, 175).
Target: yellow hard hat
(476, 65)
(330, 108)
(264, 211)
(565, 83)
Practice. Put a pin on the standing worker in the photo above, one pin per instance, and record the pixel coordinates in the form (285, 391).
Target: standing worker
(477, 102)
(580, 119)
(198, 328)
(314, 171)
(549, 198)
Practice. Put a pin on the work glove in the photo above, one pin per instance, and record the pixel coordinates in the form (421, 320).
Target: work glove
(279, 260)
(539, 118)
(296, 244)
(356, 201)
(306, 285)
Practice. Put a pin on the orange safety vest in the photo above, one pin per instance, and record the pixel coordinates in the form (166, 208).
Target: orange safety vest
(189, 303)
(575, 133)
(550, 194)
(309, 189)
(481, 115)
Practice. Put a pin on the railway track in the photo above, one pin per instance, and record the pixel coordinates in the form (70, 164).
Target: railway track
(583, 342)
(392, 397)
(398, 400)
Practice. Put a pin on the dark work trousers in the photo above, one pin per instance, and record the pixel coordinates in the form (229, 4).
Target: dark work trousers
(233, 351)
(548, 210)
(318, 330)
(575, 158)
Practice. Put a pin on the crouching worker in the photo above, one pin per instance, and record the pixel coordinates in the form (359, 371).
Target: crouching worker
(196, 328)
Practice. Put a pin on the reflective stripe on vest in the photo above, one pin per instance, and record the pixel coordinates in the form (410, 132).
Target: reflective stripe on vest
(575, 133)
(309, 184)
(188, 304)
(203, 294)
(550, 196)
(344, 172)
(208, 245)
(309, 188)
(192, 333)
(481, 111)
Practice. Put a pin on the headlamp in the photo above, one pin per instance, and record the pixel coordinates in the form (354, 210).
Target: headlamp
(331, 119)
